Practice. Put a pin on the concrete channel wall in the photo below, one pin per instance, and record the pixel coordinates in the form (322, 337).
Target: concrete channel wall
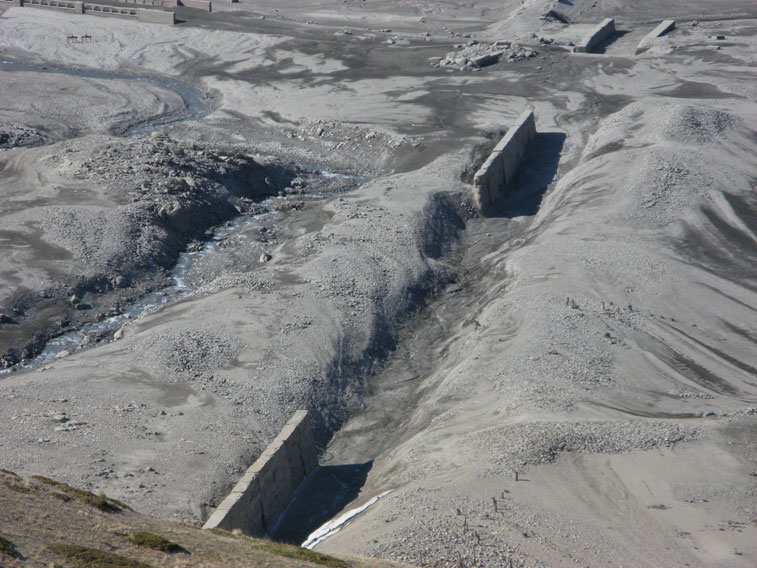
(490, 181)
(664, 27)
(267, 487)
(597, 35)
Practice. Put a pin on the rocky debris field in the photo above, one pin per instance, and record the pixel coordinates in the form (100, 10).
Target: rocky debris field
(567, 381)
(162, 196)
(475, 55)
(14, 136)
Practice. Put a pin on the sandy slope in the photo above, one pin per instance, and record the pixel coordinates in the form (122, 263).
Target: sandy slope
(581, 337)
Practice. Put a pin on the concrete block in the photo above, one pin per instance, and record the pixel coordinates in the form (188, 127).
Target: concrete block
(664, 27)
(597, 35)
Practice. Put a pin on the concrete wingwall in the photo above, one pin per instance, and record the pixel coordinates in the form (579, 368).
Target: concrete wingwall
(265, 490)
(598, 34)
(664, 27)
(491, 179)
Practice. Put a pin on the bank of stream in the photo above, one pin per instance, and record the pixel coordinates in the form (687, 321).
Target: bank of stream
(195, 106)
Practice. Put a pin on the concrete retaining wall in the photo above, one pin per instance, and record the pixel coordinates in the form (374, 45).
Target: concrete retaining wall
(267, 487)
(198, 4)
(601, 32)
(159, 3)
(664, 27)
(10, 3)
(76, 7)
(108, 10)
(490, 181)
(156, 16)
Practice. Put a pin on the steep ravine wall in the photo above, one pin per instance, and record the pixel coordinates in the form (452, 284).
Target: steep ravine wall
(268, 485)
(490, 181)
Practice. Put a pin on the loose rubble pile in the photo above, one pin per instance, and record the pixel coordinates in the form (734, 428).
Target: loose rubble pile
(13, 136)
(169, 194)
(475, 55)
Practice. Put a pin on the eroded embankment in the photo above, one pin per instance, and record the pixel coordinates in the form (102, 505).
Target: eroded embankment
(147, 200)
(592, 348)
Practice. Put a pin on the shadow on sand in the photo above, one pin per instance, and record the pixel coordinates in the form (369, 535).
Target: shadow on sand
(536, 172)
(320, 497)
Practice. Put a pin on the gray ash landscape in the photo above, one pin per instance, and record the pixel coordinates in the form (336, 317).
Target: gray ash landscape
(274, 206)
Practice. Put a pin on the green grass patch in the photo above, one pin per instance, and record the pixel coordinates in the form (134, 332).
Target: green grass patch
(83, 557)
(7, 548)
(105, 504)
(154, 541)
(303, 554)
(18, 487)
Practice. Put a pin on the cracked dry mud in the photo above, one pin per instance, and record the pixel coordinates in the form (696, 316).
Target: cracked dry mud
(592, 337)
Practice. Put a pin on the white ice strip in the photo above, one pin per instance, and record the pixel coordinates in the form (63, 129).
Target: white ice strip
(335, 525)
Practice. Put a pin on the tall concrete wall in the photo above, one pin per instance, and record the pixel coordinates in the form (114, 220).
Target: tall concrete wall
(156, 16)
(664, 27)
(160, 3)
(108, 10)
(267, 487)
(490, 181)
(76, 7)
(79, 7)
(597, 35)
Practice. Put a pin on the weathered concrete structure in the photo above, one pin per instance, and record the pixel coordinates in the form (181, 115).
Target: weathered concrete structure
(156, 16)
(197, 4)
(267, 487)
(598, 34)
(159, 3)
(664, 27)
(78, 7)
(490, 181)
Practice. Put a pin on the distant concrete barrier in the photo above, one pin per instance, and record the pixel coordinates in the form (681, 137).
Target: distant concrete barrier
(156, 16)
(108, 10)
(664, 27)
(197, 4)
(267, 487)
(490, 181)
(76, 7)
(158, 3)
(10, 3)
(598, 34)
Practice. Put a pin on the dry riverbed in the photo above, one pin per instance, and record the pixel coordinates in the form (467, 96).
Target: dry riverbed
(568, 380)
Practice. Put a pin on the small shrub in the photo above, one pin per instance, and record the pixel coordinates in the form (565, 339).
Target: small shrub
(7, 548)
(154, 541)
(83, 557)
(18, 487)
(303, 554)
(105, 504)
(61, 496)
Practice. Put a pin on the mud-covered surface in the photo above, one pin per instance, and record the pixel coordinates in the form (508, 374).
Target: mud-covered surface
(570, 379)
